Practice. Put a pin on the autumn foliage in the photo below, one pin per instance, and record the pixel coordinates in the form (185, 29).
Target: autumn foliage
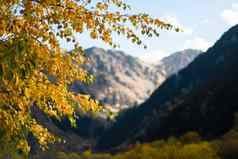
(34, 69)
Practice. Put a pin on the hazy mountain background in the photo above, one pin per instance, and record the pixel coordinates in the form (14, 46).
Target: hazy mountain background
(123, 81)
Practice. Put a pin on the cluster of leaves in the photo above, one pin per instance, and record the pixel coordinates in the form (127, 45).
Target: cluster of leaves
(35, 71)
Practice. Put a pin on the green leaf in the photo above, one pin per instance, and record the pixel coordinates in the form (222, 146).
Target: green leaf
(72, 121)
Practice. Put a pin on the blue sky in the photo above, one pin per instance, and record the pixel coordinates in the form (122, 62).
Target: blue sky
(203, 21)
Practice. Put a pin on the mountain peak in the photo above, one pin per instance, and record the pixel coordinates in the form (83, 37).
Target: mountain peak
(177, 61)
(124, 80)
(230, 37)
(190, 51)
(94, 50)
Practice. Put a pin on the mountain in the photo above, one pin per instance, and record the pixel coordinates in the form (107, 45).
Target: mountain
(177, 61)
(120, 80)
(123, 81)
(201, 97)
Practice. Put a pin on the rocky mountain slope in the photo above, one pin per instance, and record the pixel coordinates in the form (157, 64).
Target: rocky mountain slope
(177, 61)
(202, 97)
(123, 81)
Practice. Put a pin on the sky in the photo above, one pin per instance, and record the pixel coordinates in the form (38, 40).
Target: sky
(203, 22)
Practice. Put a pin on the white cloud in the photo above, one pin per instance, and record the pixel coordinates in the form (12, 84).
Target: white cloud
(197, 43)
(230, 16)
(205, 21)
(176, 22)
(153, 56)
(235, 6)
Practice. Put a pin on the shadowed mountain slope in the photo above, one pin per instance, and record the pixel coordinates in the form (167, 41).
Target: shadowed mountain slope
(202, 97)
